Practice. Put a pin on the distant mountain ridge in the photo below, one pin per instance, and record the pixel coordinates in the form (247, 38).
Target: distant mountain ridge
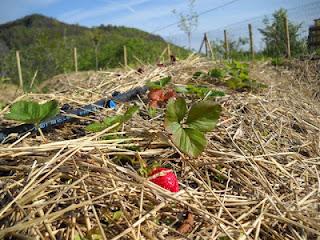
(46, 46)
(8, 31)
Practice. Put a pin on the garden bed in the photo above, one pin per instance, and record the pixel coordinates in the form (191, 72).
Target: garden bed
(258, 178)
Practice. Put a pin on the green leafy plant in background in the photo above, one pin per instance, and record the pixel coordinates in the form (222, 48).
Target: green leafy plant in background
(200, 91)
(236, 69)
(274, 35)
(32, 112)
(188, 128)
(217, 73)
(213, 73)
(109, 121)
(240, 80)
(199, 74)
(234, 75)
(159, 84)
(277, 61)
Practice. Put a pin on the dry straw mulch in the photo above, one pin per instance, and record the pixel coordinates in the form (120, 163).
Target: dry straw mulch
(259, 177)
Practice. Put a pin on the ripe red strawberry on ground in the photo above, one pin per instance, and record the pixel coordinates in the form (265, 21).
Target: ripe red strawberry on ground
(165, 178)
(156, 95)
(170, 94)
(159, 96)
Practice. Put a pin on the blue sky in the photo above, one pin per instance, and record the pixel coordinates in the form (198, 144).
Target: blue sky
(144, 14)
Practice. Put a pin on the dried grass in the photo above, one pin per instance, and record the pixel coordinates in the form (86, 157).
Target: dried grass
(259, 177)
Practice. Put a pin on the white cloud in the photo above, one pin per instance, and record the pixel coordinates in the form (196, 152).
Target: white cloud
(152, 17)
(84, 14)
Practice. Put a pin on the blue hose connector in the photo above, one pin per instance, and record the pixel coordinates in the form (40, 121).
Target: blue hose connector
(111, 104)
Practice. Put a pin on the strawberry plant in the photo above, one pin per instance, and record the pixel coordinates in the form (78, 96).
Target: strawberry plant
(188, 128)
(109, 121)
(240, 80)
(198, 74)
(237, 75)
(217, 73)
(200, 91)
(32, 112)
(277, 62)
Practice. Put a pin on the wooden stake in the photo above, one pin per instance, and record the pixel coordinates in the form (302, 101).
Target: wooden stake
(34, 77)
(169, 53)
(19, 69)
(125, 56)
(75, 59)
(251, 41)
(205, 43)
(287, 37)
(208, 46)
(226, 45)
(201, 45)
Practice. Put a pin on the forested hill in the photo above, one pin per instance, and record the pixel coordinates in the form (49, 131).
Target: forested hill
(46, 46)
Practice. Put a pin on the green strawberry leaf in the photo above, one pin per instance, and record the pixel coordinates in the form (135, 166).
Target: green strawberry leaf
(200, 91)
(217, 73)
(164, 81)
(130, 112)
(198, 74)
(190, 141)
(32, 112)
(203, 116)
(188, 135)
(176, 111)
(48, 110)
(159, 84)
(23, 111)
(109, 121)
(181, 89)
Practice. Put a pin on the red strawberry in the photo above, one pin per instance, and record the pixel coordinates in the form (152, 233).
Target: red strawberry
(156, 95)
(170, 94)
(165, 178)
(153, 104)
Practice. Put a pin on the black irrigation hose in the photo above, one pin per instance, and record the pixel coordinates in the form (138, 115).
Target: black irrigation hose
(61, 119)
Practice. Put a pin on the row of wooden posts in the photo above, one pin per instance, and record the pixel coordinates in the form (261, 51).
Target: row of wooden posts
(205, 42)
(209, 52)
(75, 60)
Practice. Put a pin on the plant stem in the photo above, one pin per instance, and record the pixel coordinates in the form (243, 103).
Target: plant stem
(41, 134)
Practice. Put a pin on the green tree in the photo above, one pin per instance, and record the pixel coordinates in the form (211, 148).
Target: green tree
(188, 22)
(274, 35)
(96, 37)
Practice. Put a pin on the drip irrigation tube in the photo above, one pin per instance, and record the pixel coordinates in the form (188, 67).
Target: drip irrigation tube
(63, 118)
